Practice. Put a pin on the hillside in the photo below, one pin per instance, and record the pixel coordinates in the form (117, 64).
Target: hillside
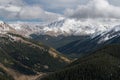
(26, 57)
(103, 64)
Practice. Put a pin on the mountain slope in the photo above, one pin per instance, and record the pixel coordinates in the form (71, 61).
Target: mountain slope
(28, 57)
(103, 64)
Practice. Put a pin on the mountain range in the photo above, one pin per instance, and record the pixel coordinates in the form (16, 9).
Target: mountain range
(34, 51)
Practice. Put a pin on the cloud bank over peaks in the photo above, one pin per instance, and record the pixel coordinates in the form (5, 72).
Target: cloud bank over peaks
(94, 9)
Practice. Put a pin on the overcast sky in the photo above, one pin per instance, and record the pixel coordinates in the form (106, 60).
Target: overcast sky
(49, 10)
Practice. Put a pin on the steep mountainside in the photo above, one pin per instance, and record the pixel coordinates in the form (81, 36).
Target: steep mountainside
(103, 64)
(92, 43)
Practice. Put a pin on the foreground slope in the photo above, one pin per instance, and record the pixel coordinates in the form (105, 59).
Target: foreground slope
(103, 64)
(28, 57)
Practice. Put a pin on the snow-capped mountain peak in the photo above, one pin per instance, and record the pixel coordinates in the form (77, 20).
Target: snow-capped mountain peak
(4, 28)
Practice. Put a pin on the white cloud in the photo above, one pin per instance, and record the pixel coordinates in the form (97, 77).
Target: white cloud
(94, 9)
(17, 9)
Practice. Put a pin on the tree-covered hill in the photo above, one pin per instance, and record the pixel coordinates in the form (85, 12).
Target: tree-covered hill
(103, 64)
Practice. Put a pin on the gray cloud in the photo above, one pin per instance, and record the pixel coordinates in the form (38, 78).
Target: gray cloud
(94, 9)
